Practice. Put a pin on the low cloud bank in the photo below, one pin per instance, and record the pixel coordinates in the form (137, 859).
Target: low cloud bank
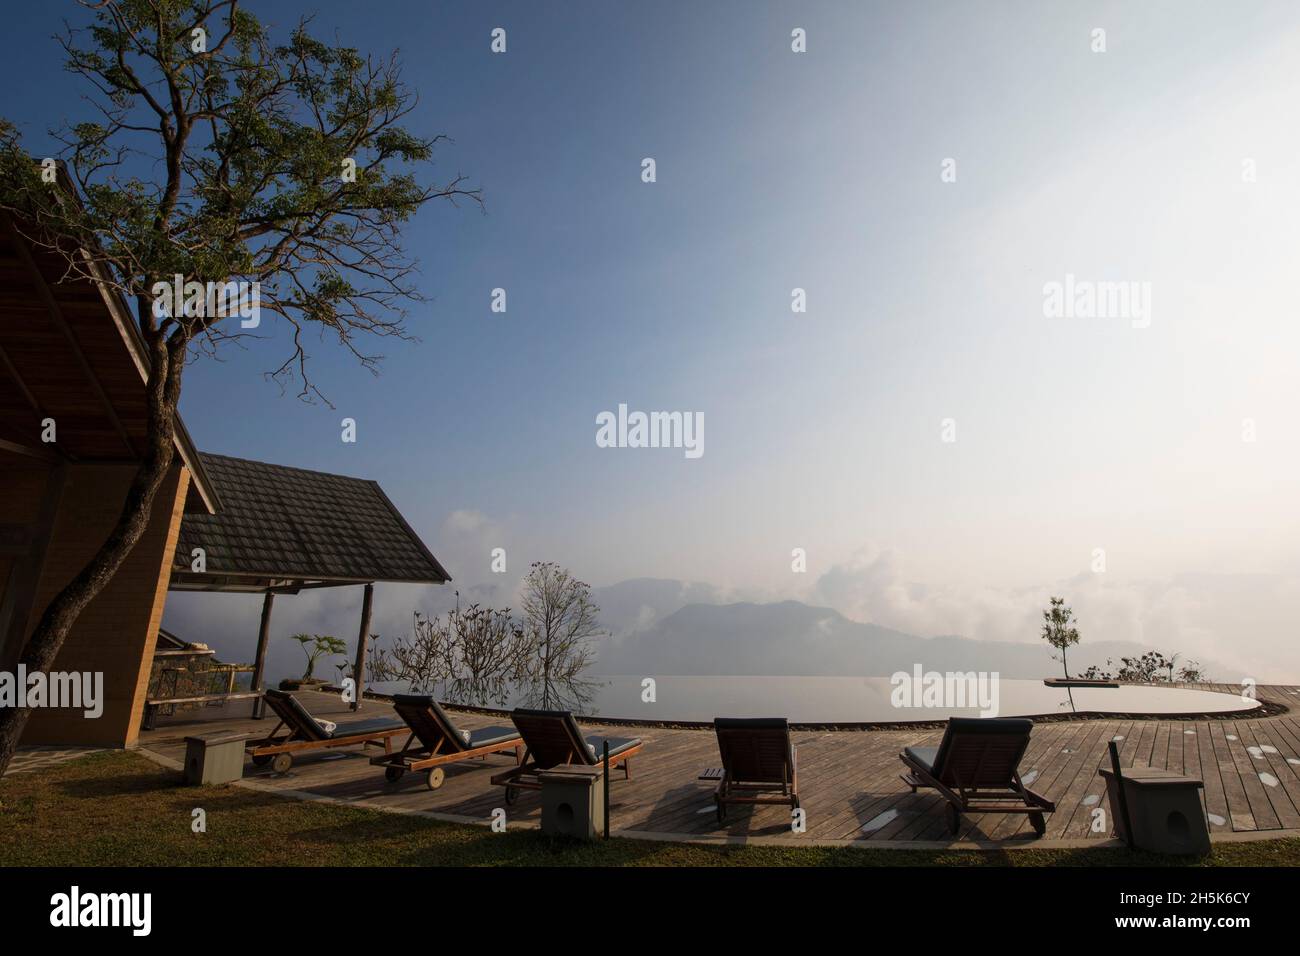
(1243, 620)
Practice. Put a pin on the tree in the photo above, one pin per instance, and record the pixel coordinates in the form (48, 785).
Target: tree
(484, 655)
(1150, 668)
(1099, 673)
(420, 661)
(285, 165)
(316, 646)
(491, 654)
(1191, 673)
(475, 656)
(561, 620)
(1059, 630)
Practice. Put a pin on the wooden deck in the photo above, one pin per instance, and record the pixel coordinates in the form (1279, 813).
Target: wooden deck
(849, 780)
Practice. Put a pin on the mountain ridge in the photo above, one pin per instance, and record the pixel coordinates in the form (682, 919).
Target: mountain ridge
(791, 638)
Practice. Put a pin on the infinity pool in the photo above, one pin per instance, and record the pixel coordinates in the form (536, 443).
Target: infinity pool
(846, 700)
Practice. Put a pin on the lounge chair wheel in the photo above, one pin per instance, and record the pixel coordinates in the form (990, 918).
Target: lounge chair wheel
(954, 820)
(1038, 822)
(282, 763)
(436, 776)
(393, 774)
(261, 760)
(512, 794)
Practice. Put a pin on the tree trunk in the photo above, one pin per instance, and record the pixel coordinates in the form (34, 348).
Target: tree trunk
(546, 674)
(162, 395)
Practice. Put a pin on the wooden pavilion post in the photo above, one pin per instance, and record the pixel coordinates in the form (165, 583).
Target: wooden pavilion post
(259, 663)
(363, 636)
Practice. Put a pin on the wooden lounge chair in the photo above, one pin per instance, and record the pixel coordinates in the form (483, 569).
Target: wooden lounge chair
(553, 739)
(435, 740)
(976, 768)
(759, 763)
(304, 733)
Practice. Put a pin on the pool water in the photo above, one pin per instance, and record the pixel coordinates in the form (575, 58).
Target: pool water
(845, 700)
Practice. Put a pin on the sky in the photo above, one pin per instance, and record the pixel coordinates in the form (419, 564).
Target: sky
(945, 452)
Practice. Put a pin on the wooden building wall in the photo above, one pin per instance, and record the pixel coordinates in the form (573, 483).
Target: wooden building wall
(116, 632)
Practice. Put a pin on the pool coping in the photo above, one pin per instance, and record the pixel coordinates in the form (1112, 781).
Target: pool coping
(1264, 708)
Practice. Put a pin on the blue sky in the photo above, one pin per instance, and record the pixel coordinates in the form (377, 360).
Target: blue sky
(821, 171)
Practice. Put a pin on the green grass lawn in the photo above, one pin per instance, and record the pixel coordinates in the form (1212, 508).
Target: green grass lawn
(119, 809)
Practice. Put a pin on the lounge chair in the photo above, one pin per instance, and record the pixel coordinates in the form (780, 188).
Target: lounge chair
(437, 741)
(305, 733)
(976, 768)
(553, 739)
(759, 763)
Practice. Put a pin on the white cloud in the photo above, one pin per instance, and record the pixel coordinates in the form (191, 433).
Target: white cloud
(466, 521)
(1242, 621)
(467, 540)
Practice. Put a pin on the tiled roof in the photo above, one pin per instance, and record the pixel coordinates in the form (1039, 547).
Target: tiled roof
(280, 522)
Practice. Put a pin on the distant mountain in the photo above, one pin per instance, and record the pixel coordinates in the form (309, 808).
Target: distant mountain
(640, 603)
(795, 639)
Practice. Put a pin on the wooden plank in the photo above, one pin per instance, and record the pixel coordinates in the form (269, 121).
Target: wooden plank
(1216, 799)
(1093, 795)
(1239, 808)
(204, 698)
(846, 778)
(1073, 784)
(1279, 794)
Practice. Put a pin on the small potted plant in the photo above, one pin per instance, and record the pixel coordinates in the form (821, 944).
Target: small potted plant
(315, 646)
